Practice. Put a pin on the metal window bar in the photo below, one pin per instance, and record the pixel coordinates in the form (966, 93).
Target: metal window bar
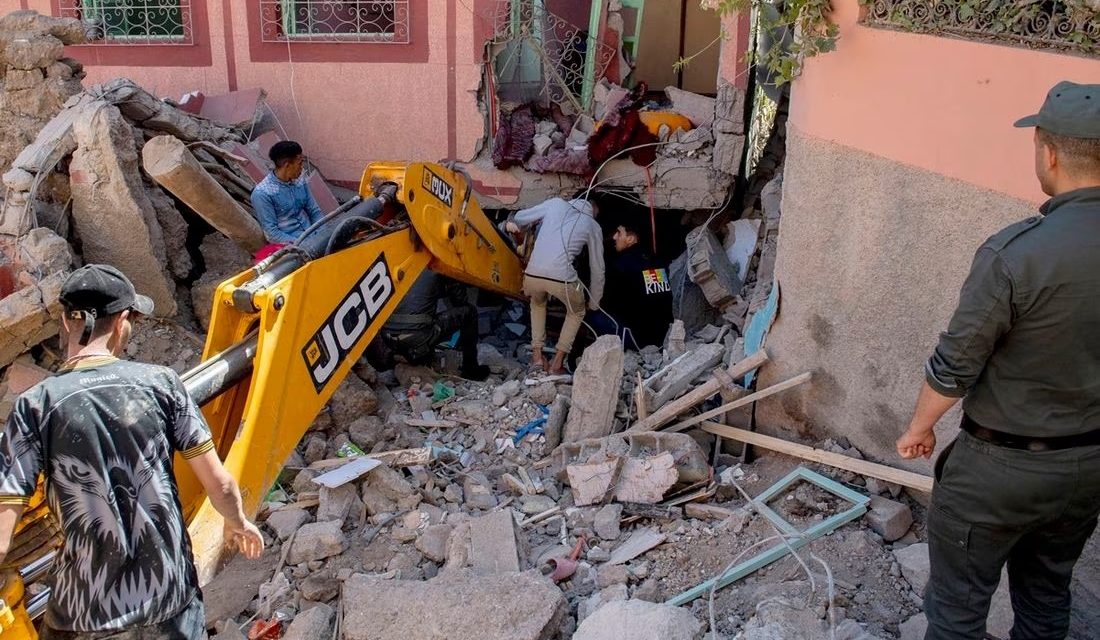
(541, 54)
(128, 22)
(380, 22)
(1049, 24)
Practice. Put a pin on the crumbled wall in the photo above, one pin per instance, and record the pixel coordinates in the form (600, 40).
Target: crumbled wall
(36, 77)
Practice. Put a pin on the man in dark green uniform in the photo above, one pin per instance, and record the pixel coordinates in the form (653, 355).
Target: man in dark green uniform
(1021, 483)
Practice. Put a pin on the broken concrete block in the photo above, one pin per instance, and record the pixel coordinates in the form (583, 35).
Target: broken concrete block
(607, 521)
(709, 267)
(556, 421)
(389, 482)
(317, 541)
(535, 504)
(678, 378)
(611, 575)
(284, 522)
(591, 483)
(316, 622)
(339, 503)
(639, 620)
(29, 316)
(168, 161)
(646, 480)
(889, 519)
(43, 251)
(914, 565)
(493, 543)
(595, 390)
(475, 488)
(699, 109)
(461, 604)
(691, 461)
(319, 587)
(433, 542)
(375, 502)
(914, 628)
(111, 211)
(34, 52)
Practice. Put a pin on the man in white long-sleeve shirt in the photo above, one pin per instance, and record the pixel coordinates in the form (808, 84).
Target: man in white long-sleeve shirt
(567, 227)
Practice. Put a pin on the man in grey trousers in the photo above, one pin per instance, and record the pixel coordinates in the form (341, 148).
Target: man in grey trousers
(1021, 482)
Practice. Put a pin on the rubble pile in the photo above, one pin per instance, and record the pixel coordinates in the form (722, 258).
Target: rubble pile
(476, 523)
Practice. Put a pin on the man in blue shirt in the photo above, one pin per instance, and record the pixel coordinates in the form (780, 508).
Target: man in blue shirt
(282, 200)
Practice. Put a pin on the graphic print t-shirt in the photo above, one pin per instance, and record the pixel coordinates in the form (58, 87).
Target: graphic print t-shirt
(104, 435)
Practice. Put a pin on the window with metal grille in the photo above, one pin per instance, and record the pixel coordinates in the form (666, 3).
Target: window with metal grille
(385, 22)
(132, 21)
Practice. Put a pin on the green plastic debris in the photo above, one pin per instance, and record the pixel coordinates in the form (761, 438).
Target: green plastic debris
(348, 450)
(441, 391)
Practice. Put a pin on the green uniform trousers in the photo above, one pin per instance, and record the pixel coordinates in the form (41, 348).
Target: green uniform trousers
(991, 505)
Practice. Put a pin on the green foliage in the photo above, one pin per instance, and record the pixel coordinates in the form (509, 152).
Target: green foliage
(802, 29)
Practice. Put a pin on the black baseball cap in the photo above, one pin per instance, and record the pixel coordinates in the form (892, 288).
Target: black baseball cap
(1070, 109)
(103, 290)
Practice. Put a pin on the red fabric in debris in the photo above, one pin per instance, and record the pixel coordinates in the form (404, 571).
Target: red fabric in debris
(514, 139)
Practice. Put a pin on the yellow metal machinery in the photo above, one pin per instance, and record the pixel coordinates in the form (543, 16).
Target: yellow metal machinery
(284, 334)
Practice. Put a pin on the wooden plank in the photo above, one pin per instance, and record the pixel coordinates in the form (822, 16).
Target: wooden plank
(740, 402)
(863, 467)
(396, 458)
(665, 414)
(430, 424)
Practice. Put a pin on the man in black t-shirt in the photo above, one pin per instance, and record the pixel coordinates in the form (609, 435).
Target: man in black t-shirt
(103, 431)
(637, 300)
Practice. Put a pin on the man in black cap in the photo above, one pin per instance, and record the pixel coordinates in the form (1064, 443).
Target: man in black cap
(104, 431)
(1021, 483)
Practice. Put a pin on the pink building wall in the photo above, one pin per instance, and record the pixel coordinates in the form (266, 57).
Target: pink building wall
(351, 111)
(942, 104)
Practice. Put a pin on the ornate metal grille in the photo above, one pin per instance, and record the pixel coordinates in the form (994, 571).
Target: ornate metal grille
(122, 22)
(1068, 25)
(541, 53)
(385, 22)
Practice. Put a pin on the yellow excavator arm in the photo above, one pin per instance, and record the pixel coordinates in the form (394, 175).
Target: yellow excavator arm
(285, 333)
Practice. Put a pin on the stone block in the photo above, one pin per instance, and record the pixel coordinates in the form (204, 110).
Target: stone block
(493, 547)
(699, 109)
(914, 565)
(433, 542)
(29, 316)
(595, 391)
(460, 604)
(317, 541)
(284, 522)
(914, 628)
(607, 521)
(111, 211)
(316, 622)
(475, 489)
(340, 503)
(389, 482)
(639, 620)
(36, 51)
(889, 519)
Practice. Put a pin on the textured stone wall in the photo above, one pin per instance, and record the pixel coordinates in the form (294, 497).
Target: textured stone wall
(871, 257)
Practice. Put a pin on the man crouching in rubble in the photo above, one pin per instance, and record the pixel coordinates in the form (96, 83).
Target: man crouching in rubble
(104, 431)
(1021, 482)
(417, 325)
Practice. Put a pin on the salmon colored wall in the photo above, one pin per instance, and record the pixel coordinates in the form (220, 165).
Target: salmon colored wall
(941, 104)
(351, 112)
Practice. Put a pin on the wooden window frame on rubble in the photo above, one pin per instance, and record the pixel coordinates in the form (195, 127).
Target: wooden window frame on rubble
(119, 53)
(336, 50)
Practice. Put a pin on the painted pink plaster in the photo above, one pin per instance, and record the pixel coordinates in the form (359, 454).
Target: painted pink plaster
(733, 63)
(352, 113)
(941, 104)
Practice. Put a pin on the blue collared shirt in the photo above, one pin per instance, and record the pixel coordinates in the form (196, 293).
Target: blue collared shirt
(285, 209)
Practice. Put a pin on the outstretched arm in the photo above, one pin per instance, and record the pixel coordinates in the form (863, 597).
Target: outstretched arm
(225, 496)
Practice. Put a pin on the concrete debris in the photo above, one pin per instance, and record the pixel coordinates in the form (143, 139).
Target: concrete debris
(314, 623)
(493, 544)
(914, 628)
(285, 522)
(672, 382)
(914, 565)
(317, 541)
(639, 542)
(433, 542)
(646, 480)
(709, 267)
(111, 211)
(699, 109)
(511, 606)
(607, 520)
(889, 519)
(639, 620)
(595, 392)
(167, 160)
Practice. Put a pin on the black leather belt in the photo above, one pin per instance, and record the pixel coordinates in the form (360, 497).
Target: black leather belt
(1027, 443)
